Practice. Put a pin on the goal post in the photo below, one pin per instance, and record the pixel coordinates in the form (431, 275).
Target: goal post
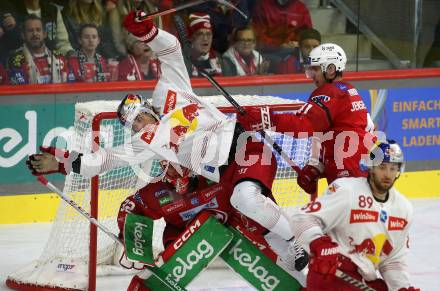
(76, 253)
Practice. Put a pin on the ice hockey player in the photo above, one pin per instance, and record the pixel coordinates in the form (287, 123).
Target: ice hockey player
(359, 226)
(173, 95)
(336, 114)
(178, 198)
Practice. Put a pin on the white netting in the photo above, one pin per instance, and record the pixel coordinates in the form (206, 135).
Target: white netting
(64, 261)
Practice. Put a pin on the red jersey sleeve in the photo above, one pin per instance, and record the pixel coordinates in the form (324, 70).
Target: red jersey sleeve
(136, 204)
(317, 115)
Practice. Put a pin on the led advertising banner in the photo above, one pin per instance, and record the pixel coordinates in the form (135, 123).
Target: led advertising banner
(411, 116)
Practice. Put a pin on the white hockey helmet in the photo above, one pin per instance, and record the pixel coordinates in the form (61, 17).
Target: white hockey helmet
(387, 152)
(327, 54)
(131, 106)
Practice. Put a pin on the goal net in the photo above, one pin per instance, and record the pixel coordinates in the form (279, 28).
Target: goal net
(75, 253)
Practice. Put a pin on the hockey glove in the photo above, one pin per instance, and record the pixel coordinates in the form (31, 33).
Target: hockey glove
(308, 179)
(142, 28)
(51, 160)
(325, 256)
(125, 262)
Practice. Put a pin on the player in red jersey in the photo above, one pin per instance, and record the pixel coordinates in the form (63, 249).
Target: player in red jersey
(336, 114)
(179, 197)
(246, 170)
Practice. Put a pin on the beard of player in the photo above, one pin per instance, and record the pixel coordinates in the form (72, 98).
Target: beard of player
(379, 184)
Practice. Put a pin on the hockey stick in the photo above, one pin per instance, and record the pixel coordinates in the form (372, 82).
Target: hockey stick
(243, 112)
(352, 281)
(181, 31)
(187, 5)
(78, 208)
(108, 232)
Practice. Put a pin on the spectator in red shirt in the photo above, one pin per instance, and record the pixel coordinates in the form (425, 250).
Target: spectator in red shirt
(308, 39)
(86, 64)
(34, 62)
(277, 24)
(139, 64)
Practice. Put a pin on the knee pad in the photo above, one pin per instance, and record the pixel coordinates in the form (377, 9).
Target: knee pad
(248, 198)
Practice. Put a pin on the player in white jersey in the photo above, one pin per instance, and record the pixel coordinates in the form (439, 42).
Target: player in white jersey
(359, 226)
(190, 132)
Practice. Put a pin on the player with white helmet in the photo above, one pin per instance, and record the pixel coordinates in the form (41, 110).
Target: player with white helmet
(359, 226)
(176, 127)
(325, 55)
(335, 114)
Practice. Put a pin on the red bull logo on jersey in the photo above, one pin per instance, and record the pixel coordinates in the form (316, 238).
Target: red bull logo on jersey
(373, 248)
(396, 223)
(183, 121)
(360, 216)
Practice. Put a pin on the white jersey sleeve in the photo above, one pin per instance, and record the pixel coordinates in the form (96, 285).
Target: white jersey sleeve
(173, 74)
(191, 132)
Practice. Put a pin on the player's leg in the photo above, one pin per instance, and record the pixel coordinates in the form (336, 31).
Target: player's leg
(252, 195)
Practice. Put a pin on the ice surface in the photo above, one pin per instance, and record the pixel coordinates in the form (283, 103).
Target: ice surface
(20, 244)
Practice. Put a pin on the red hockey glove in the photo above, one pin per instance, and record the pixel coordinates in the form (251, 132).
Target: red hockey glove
(325, 256)
(46, 162)
(409, 289)
(308, 179)
(141, 27)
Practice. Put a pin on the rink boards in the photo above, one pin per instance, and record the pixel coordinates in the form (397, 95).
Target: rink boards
(30, 208)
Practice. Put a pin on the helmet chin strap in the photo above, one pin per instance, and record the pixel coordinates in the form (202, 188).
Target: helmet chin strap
(337, 73)
(327, 79)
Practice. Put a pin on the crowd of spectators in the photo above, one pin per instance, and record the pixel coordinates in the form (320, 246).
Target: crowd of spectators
(57, 41)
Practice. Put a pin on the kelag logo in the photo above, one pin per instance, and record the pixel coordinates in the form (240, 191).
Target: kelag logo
(24, 128)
